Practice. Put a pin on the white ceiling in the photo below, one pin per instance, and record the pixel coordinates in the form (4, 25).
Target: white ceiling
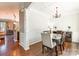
(49, 7)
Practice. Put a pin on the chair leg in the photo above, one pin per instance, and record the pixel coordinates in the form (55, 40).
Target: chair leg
(56, 51)
(61, 48)
(50, 52)
(42, 48)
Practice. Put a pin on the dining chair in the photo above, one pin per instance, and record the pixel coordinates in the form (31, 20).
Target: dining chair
(63, 40)
(47, 42)
(60, 41)
(57, 38)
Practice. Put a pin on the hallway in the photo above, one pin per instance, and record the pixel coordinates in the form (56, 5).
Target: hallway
(8, 46)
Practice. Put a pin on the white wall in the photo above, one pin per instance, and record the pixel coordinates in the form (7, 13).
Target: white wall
(39, 18)
(38, 22)
(71, 20)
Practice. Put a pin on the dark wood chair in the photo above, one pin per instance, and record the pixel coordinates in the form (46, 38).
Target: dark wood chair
(62, 40)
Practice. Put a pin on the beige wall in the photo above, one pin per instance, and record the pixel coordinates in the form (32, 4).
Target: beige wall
(10, 25)
(8, 13)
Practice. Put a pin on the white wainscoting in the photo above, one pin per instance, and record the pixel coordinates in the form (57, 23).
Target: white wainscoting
(23, 42)
(75, 37)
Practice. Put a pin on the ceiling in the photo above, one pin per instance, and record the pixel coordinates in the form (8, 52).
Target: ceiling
(15, 4)
(48, 7)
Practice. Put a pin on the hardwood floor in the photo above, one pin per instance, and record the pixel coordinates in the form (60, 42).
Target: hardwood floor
(10, 48)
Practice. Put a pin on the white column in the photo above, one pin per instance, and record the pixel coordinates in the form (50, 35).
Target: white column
(24, 41)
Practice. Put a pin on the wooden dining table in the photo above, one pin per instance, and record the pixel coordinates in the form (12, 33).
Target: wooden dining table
(57, 38)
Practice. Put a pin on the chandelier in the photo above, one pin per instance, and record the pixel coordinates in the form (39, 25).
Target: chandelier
(57, 14)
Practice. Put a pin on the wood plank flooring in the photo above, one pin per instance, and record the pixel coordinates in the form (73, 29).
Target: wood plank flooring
(10, 48)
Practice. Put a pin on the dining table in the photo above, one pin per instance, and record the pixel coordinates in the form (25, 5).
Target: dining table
(57, 38)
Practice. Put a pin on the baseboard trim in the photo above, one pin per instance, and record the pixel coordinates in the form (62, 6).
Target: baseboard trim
(24, 47)
(31, 43)
(75, 41)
